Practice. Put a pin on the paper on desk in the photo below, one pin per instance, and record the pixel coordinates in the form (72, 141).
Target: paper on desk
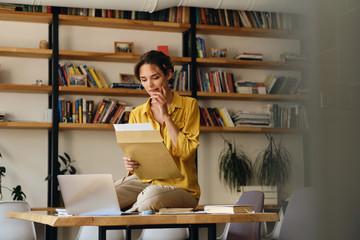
(141, 143)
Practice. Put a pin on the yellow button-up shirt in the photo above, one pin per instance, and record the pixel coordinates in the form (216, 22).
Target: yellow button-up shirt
(184, 111)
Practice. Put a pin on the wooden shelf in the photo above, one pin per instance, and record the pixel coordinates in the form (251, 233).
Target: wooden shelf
(230, 63)
(248, 32)
(111, 57)
(86, 126)
(122, 23)
(25, 52)
(17, 88)
(108, 92)
(18, 16)
(250, 97)
(204, 129)
(25, 125)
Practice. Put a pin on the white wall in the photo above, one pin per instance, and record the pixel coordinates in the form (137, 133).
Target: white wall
(25, 151)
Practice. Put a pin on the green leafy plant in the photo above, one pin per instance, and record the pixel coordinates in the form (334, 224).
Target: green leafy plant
(273, 164)
(235, 167)
(16, 192)
(66, 166)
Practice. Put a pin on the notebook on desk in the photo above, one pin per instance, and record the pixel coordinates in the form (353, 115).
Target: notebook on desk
(89, 195)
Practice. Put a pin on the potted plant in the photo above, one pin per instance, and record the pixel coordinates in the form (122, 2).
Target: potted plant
(16, 192)
(273, 164)
(65, 166)
(235, 167)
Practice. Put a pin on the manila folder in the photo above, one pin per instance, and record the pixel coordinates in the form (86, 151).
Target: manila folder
(147, 148)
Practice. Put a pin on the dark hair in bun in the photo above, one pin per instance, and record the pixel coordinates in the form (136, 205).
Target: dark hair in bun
(157, 58)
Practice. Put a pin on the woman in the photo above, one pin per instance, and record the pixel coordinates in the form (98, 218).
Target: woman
(178, 120)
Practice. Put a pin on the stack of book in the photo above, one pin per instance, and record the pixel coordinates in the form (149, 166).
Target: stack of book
(288, 116)
(111, 111)
(2, 116)
(247, 87)
(243, 118)
(181, 79)
(83, 111)
(249, 56)
(216, 117)
(94, 77)
(215, 81)
(281, 85)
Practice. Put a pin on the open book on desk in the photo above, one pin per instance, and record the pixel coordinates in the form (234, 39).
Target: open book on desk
(141, 143)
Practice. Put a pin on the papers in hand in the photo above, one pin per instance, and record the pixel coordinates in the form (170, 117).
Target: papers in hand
(133, 127)
(141, 143)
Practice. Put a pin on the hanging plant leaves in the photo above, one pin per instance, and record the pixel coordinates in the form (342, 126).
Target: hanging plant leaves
(273, 164)
(235, 167)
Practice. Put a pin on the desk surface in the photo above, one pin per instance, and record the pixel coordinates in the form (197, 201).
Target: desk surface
(50, 219)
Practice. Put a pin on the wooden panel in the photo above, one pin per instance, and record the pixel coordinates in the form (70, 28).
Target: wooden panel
(103, 91)
(25, 125)
(86, 126)
(17, 88)
(109, 92)
(250, 97)
(25, 16)
(230, 63)
(248, 32)
(25, 52)
(111, 57)
(122, 23)
(133, 220)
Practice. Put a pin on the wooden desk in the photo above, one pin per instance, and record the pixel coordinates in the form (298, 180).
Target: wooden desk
(191, 221)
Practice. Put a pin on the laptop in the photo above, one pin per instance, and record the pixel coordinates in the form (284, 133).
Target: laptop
(89, 195)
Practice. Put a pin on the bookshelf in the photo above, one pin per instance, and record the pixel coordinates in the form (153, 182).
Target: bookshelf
(95, 22)
(72, 20)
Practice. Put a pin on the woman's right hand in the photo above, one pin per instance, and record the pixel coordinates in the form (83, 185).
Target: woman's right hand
(130, 165)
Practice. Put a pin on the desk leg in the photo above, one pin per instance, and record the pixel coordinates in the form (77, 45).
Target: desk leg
(102, 233)
(193, 232)
(212, 231)
(128, 233)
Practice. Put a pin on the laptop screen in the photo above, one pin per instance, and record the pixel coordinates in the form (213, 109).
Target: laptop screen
(89, 194)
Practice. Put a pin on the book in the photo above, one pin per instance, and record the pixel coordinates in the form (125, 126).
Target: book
(102, 79)
(126, 85)
(228, 209)
(95, 77)
(176, 210)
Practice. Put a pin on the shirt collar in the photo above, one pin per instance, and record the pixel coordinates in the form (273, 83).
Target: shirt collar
(176, 103)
